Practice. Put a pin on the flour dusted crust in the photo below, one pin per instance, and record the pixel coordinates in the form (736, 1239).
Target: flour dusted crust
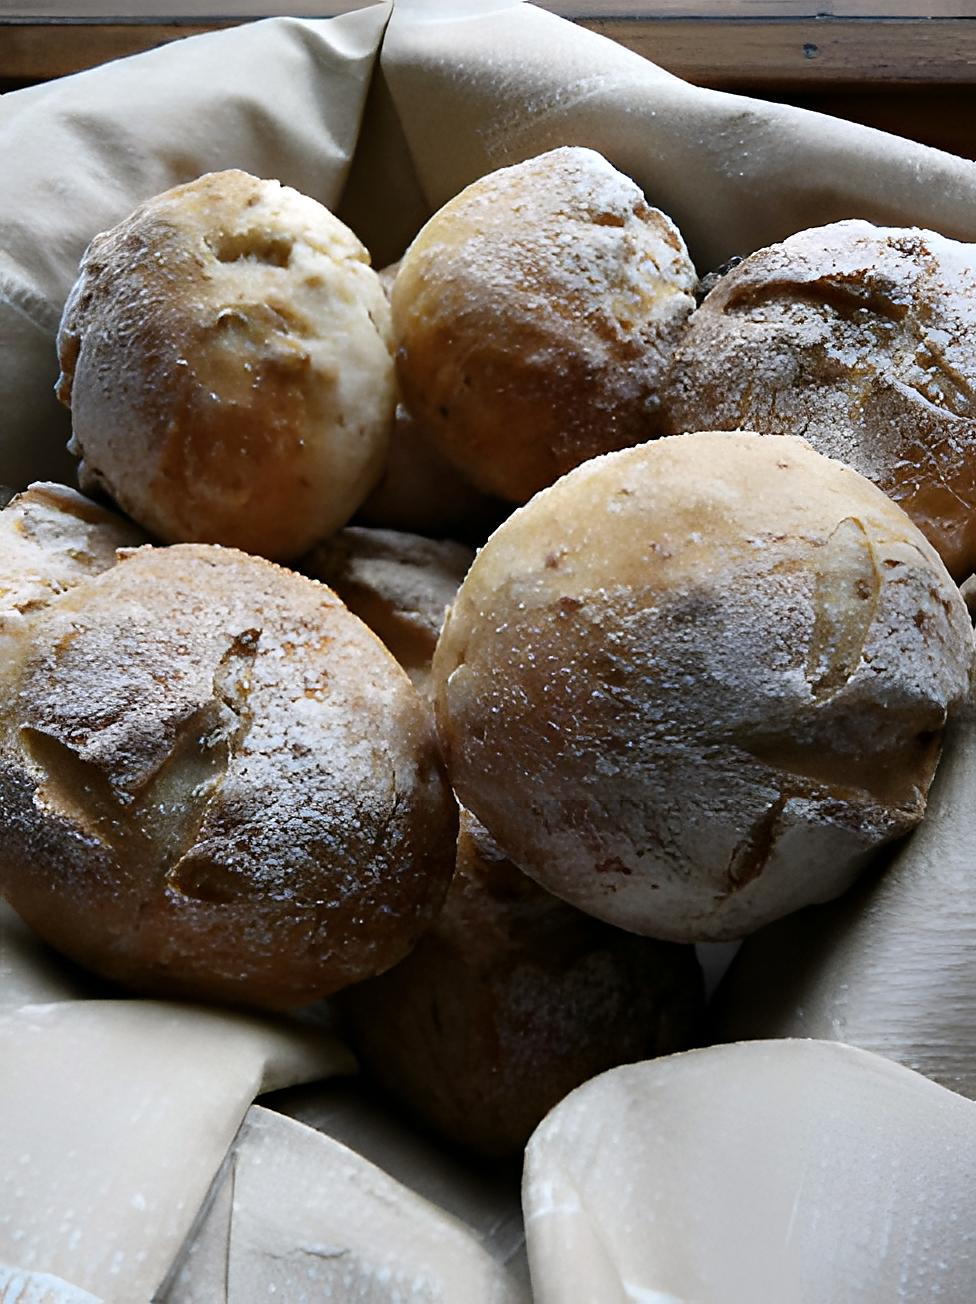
(535, 316)
(51, 539)
(860, 339)
(214, 781)
(694, 684)
(511, 1000)
(399, 584)
(226, 355)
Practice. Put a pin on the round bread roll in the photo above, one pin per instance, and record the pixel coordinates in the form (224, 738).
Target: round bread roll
(860, 339)
(535, 316)
(511, 1000)
(226, 355)
(216, 782)
(399, 584)
(422, 493)
(693, 685)
(51, 539)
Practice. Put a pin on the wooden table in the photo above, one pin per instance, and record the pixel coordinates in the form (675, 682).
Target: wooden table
(908, 66)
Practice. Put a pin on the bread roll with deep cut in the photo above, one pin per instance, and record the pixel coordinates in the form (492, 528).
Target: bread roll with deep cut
(860, 338)
(535, 316)
(694, 685)
(226, 355)
(216, 782)
(399, 584)
(511, 1000)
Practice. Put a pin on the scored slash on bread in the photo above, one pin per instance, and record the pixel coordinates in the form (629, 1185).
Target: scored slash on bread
(693, 685)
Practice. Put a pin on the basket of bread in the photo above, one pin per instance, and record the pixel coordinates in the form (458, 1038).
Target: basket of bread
(484, 675)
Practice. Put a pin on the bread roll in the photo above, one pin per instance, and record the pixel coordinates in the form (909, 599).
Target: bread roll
(860, 339)
(51, 539)
(226, 355)
(422, 493)
(693, 685)
(215, 782)
(511, 1000)
(419, 490)
(535, 316)
(399, 584)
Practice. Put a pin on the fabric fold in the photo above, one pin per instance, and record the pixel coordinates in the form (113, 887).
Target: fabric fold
(118, 1113)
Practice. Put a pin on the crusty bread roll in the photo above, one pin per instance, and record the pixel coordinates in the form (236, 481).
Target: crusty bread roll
(511, 1000)
(694, 684)
(419, 490)
(216, 782)
(535, 316)
(399, 584)
(860, 339)
(52, 538)
(422, 493)
(226, 355)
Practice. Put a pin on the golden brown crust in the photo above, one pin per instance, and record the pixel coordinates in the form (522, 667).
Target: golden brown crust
(691, 686)
(860, 339)
(511, 1000)
(535, 315)
(215, 781)
(226, 354)
(419, 490)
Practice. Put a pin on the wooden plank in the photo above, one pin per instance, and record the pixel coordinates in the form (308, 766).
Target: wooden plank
(154, 11)
(731, 53)
(37, 52)
(167, 11)
(710, 10)
(728, 53)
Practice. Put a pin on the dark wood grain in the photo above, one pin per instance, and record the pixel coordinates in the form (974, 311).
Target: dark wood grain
(735, 43)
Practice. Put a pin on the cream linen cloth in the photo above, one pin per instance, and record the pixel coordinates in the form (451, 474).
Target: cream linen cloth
(116, 1115)
(768, 1172)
